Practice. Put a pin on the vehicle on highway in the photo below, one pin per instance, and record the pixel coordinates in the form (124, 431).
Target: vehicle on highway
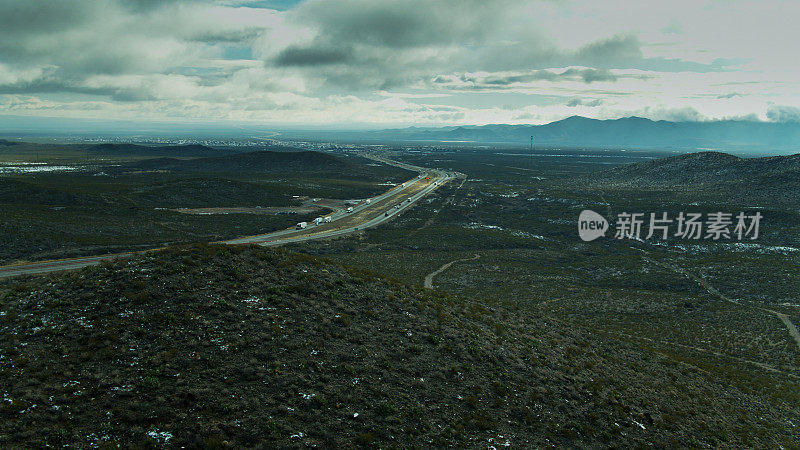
(328, 219)
(318, 220)
(368, 201)
(386, 214)
(350, 209)
(301, 225)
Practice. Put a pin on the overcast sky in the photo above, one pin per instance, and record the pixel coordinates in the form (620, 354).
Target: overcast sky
(409, 62)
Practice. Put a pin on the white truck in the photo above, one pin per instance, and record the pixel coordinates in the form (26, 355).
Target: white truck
(318, 220)
(350, 209)
(368, 201)
(301, 225)
(328, 219)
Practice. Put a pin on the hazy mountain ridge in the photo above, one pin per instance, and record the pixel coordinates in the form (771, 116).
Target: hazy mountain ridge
(633, 132)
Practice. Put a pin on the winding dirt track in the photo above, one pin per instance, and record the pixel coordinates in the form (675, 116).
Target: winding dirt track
(790, 327)
(429, 277)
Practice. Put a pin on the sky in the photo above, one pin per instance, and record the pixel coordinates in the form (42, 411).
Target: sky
(375, 63)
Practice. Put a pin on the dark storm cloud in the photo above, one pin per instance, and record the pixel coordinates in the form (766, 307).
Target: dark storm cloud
(625, 52)
(314, 56)
(107, 47)
(362, 44)
(404, 42)
(354, 31)
(590, 75)
(53, 85)
(149, 5)
(406, 24)
(35, 17)
(53, 82)
(611, 52)
(56, 33)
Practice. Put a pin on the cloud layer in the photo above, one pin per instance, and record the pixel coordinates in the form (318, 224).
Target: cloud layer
(376, 61)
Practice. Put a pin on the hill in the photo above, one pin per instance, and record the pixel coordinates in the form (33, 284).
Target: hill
(214, 346)
(260, 161)
(194, 150)
(767, 180)
(629, 132)
(79, 152)
(284, 164)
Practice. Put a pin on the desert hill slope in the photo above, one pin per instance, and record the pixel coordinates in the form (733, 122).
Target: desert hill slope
(768, 180)
(214, 346)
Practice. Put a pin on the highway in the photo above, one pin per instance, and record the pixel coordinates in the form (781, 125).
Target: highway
(364, 215)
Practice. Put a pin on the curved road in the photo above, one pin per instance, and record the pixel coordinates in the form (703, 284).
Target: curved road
(374, 213)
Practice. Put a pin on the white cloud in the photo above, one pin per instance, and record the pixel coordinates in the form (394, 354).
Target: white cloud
(348, 61)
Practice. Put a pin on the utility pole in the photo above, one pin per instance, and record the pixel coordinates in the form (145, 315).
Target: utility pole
(531, 152)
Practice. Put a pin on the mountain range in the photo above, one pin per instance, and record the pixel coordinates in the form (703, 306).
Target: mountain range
(629, 132)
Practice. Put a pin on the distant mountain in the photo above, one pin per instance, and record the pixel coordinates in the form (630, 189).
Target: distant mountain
(630, 132)
(770, 179)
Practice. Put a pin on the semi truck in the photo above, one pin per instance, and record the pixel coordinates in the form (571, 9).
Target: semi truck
(318, 220)
(328, 219)
(301, 225)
